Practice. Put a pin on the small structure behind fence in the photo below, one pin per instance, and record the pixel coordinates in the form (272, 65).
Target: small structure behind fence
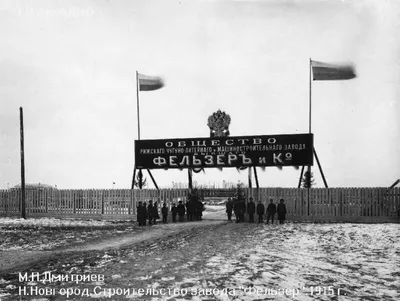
(325, 204)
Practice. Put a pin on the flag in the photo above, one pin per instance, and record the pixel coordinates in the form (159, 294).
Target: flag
(149, 83)
(324, 71)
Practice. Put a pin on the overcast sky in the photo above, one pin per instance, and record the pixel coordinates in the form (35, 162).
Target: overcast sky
(71, 66)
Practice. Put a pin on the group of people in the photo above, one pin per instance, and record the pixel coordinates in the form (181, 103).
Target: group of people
(147, 212)
(239, 208)
(193, 209)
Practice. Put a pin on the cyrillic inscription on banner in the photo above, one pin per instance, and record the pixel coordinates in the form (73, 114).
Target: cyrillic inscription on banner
(272, 150)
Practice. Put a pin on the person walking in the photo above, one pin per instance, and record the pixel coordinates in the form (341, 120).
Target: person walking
(164, 211)
(251, 209)
(271, 210)
(260, 211)
(181, 211)
(229, 208)
(281, 211)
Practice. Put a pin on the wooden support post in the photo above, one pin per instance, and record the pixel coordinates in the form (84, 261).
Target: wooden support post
(140, 179)
(74, 200)
(301, 176)
(133, 178)
(154, 181)
(23, 207)
(102, 201)
(130, 208)
(190, 179)
(255, 176)
(392, 186)
(320, 168)
(250, 184)
(46, 200)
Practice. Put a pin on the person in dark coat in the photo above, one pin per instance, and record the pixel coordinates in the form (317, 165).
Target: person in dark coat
(137, 213)
(242, 210)
(251, 209)
(181, 211)
(195, 210)
(236, 210)
(199, 209)
(155, 213)
(174, 211)
(281, 211)
(260, 211)
(164, 211)
(271, 210)
(140, 215)
(187, 209)
(229, 208)
(190, 209)
(144, 213)
(150, 211)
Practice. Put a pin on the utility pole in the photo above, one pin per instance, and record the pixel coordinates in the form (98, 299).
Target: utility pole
(21, 118)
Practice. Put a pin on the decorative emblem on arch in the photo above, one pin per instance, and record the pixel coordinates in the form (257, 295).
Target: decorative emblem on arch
(219, 123)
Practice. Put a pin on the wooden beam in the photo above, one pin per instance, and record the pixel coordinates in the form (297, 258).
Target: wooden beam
(250, 184)
(154, 181)
(320, 168)
(301, 176)
(256, 176)
(190, 178)
(133, 178)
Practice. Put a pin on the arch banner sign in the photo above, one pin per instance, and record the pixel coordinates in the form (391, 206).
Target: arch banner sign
(240, 151)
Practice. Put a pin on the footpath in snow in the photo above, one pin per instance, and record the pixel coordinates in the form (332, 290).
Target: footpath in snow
(25, 242)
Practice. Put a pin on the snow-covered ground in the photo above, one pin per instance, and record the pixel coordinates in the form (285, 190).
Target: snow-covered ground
(212, 260)
(49, 233)
(215, 212)
(253, 262)
(51, 222)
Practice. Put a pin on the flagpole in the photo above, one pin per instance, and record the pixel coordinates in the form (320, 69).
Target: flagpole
(138, 126)
(309, 131)
(137, 103)
(309, 116)
(309, 113)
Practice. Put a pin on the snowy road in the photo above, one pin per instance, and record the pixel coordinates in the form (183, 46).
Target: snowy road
(357, 262)
(229, 261)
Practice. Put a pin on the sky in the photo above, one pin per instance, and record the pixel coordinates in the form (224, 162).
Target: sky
(71, 65)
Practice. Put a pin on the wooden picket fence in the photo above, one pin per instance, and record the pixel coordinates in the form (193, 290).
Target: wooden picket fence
(102, 203)
(335, 204)
(324, 204)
